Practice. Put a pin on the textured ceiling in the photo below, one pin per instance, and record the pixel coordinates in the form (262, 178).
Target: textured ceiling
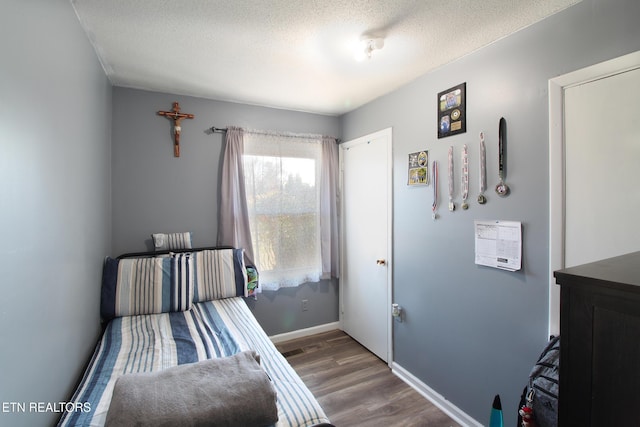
(293, 54)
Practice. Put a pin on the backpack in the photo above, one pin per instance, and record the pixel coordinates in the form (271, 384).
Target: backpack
(541, 393)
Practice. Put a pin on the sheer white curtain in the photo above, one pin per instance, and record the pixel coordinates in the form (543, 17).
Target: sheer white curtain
(290, 183)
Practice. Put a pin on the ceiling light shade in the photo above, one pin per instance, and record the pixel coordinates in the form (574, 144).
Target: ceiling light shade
(367, 45)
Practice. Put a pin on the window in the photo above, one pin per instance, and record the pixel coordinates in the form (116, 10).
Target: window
(282, 176)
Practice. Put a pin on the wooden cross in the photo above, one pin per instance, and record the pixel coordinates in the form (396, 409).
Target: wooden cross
(177, 117)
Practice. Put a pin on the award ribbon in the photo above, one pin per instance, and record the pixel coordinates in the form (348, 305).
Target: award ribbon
(452, 206)
(465, 177)
(502, 188)
(434, 182)
(483, 170)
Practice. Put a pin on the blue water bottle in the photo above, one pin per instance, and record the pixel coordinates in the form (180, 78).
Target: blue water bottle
(495, 420)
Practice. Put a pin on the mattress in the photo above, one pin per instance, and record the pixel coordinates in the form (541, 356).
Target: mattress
(147, 343)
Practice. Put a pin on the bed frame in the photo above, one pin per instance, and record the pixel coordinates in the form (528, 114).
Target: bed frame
(208, 329)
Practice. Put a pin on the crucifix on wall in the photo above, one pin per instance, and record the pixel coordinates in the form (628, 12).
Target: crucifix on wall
(177, 117)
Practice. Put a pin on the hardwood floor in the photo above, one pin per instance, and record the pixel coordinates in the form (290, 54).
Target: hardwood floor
(354, 387)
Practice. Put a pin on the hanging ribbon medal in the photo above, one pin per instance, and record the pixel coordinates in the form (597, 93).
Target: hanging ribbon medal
(465, 177)
(452, 206)
(502, 188)
(483, 171)
(434, 182)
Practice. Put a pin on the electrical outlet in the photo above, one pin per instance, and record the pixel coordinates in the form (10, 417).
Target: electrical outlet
(305, 304)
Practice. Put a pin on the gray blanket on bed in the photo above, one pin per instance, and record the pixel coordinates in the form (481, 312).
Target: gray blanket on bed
(230, 391)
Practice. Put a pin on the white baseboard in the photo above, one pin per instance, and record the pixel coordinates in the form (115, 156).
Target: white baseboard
(300, 333)
(434, 397)
(457, 414)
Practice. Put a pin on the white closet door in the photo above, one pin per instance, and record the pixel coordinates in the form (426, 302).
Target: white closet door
(602, 168)
(365, 277)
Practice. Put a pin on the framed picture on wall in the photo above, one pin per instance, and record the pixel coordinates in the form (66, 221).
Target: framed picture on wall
(418, 168)
(452, 114)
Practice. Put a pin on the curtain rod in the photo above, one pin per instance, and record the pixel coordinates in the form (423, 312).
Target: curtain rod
(214, 129)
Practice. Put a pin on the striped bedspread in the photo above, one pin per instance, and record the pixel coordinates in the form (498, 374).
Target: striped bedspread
(157, 341)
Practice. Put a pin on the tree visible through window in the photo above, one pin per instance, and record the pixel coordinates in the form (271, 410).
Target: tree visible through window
(282, 187)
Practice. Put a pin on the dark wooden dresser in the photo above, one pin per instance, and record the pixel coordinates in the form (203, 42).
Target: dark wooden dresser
(600, 343)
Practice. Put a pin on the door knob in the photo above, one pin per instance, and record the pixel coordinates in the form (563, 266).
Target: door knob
(381, 262)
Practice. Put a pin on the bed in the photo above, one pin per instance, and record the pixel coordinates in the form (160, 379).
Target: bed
(186, 316)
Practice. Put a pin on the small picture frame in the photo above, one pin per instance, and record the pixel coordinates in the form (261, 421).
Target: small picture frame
(418, 170)
(452, 111)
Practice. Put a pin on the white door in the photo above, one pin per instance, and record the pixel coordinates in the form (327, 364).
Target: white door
(594, 147)
(365, 276)
(602, 168)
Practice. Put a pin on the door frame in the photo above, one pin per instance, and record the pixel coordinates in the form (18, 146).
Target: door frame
(557, 159)
(389, 257)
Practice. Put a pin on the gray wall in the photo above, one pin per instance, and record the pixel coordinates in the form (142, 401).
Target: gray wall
(153, 191)
(472, 332)
(55, 218)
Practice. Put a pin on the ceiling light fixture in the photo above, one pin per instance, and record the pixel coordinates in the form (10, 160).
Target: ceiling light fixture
(367, 45)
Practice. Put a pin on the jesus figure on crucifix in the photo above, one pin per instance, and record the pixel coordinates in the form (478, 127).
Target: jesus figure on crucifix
(177, 117)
